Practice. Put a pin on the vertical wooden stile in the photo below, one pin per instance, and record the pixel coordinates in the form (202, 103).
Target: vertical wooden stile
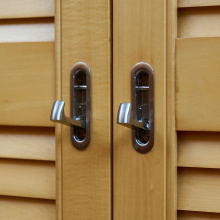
(171, 159)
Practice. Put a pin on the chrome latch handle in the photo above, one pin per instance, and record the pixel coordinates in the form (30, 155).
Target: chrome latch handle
(58, 115)
(125, 118)
(140, 113)
(80, 106)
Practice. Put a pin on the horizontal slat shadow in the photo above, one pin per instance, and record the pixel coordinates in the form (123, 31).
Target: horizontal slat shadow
(36, 143)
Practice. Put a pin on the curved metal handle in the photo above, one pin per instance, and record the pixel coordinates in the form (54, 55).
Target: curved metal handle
(125, 118)
(140, 113)
(80, 106)
(58, 115)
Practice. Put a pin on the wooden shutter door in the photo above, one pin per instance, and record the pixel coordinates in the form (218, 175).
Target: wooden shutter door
(138, 179)
(139, 35)
(85, 175)
(197, 109)
(110, 37)
(27, 137)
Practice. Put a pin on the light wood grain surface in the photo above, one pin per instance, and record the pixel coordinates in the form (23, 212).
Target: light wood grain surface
(198, 84)
(27, 93)
(58, 127)
(184, 215)
(171, 137)
(27, 30)
(139, 179)
(27, 179)
(35, 143)
(198, 189)
(13, 208)
(87, 174)
(199, 149)
(26, 8)
(198, 22)
(27, 83)
(197, 3)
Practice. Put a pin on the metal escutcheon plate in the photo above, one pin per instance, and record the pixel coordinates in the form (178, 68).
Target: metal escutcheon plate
(80, 80)
(142, 102)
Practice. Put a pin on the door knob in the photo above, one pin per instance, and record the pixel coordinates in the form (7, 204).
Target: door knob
(58, 115)
(140, 113)
(80, 106)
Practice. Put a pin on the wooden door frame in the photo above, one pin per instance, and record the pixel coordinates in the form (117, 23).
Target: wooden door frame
(171, 158)
(99, 192)
(58, 127)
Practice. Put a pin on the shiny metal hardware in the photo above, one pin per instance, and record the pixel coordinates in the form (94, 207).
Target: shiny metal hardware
(80, 107)
(58, 115)
(140, 113)
(124, 117)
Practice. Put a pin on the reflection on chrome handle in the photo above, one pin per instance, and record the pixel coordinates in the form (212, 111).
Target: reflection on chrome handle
(140, 113)
(125, 118)
(58, 115)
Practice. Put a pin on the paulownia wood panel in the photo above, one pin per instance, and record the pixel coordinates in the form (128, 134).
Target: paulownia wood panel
(27, 143)
(199, 149)
(27, 30)
(13, 208)
(27, 83)
(139, 35)
(198, 22)
(27, 178)
(199, 189)
(198, 84)
(86, 174)
(184, 215)
(197, 3)
(26, 8)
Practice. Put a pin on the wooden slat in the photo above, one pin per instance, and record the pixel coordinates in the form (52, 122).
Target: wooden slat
(197, 3)
(139, 179)
(26, 8)
(184, 215)
(86, 175)
(198, 22)
(27, 30)
(199, 149)
(198, 84)
(12, 208)
(199, 189)
(27, 83)
(27, 179)
(27, 143)
(171, 137)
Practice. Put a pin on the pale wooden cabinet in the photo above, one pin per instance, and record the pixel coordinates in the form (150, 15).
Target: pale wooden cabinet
(27, 137)
(197, 108)
(43, 176)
